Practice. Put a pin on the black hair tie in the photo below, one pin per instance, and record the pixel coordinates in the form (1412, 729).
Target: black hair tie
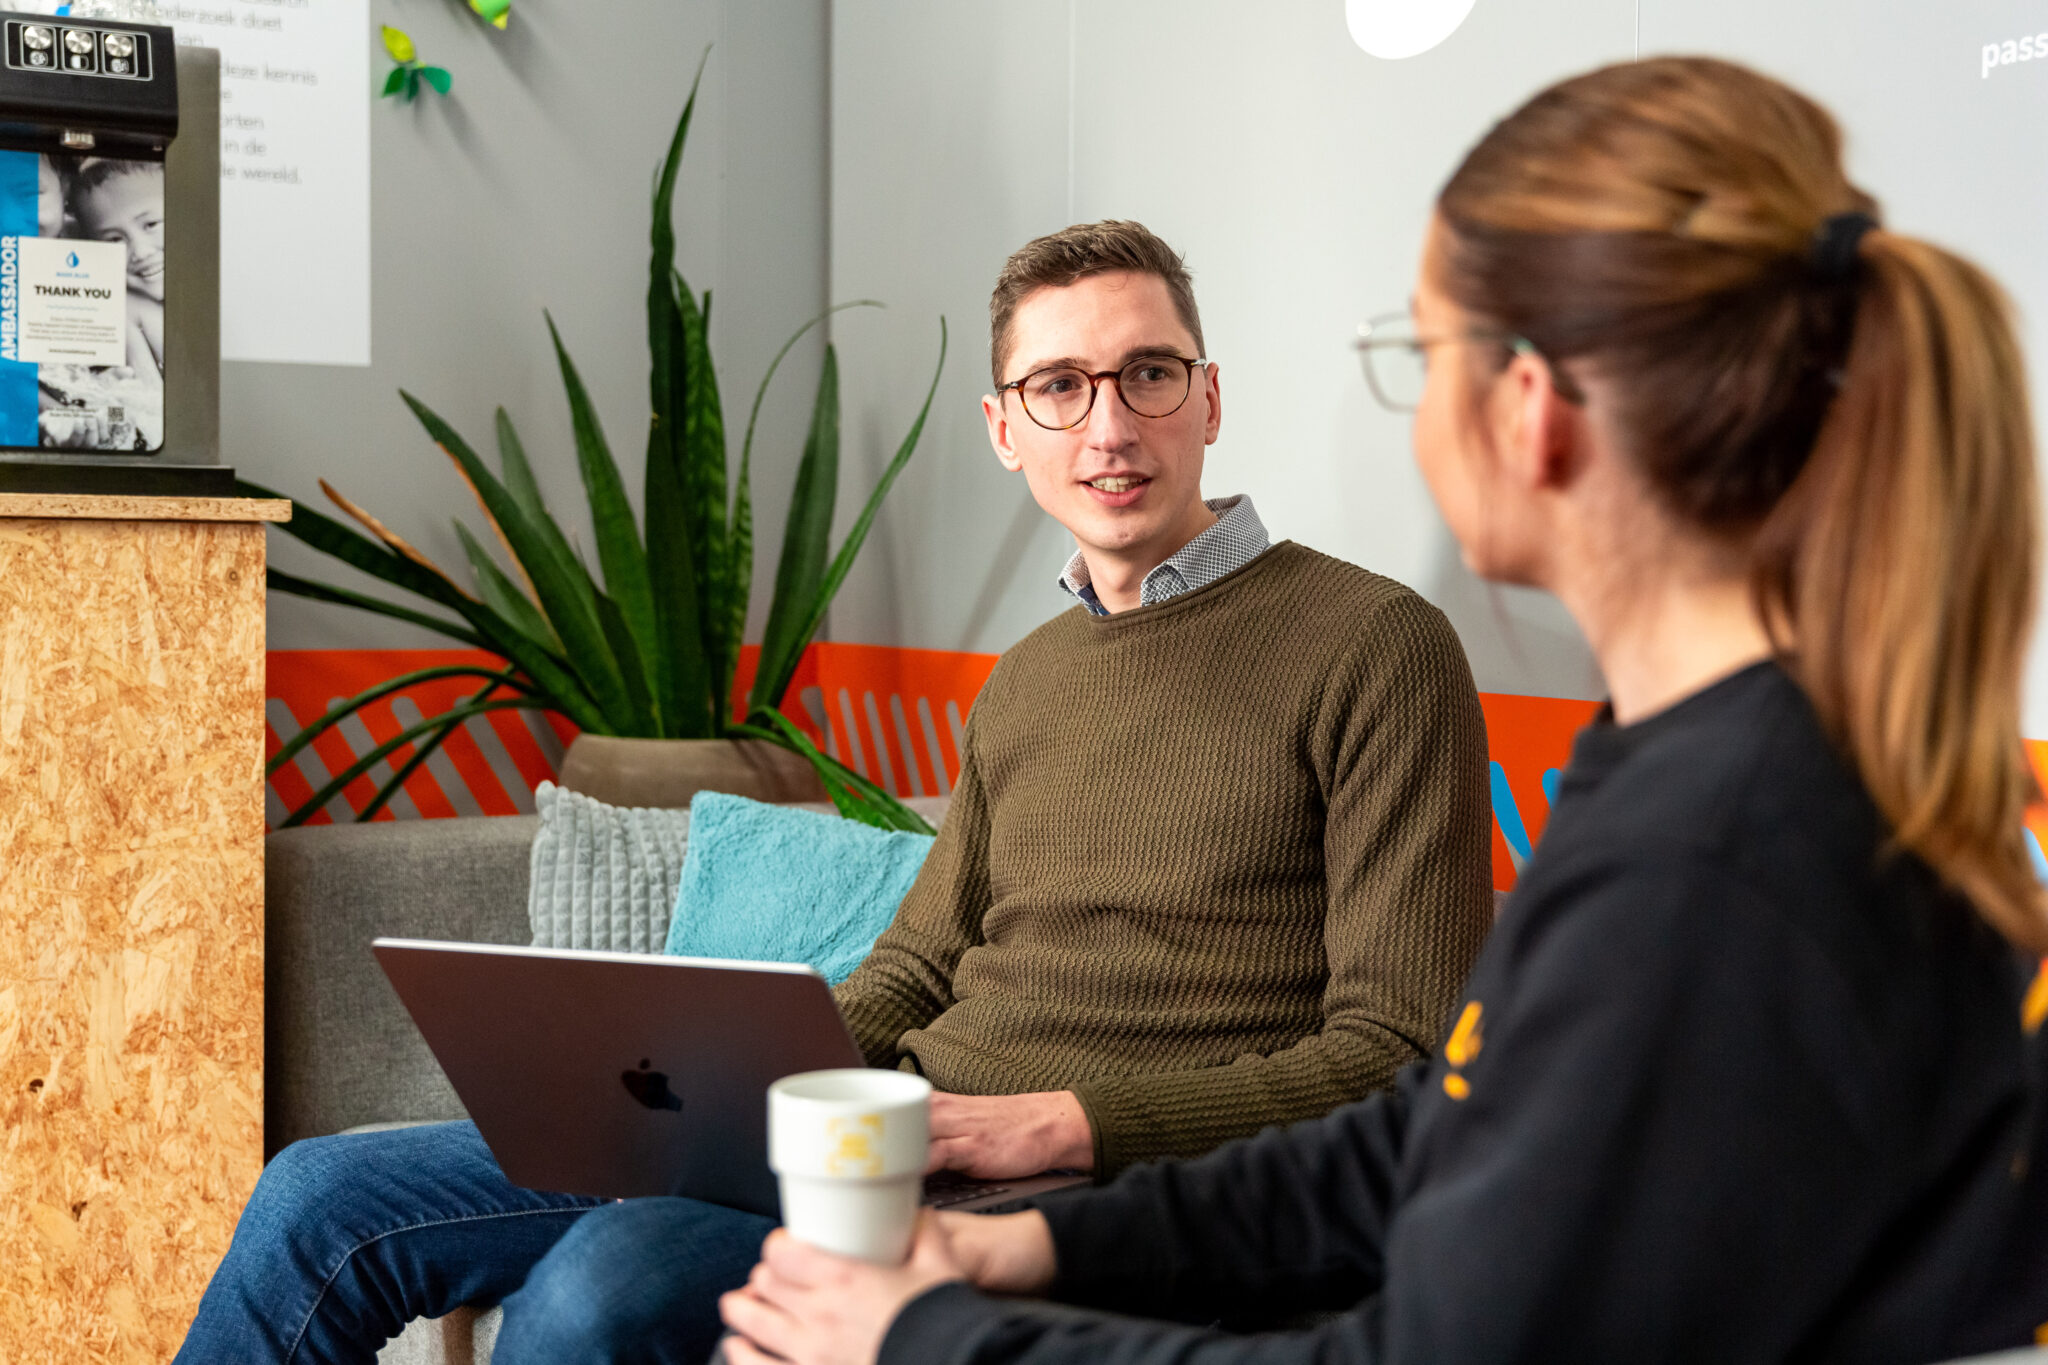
(1836, 243)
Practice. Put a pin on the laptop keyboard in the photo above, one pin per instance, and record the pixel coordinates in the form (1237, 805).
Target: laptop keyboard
(943, 1189)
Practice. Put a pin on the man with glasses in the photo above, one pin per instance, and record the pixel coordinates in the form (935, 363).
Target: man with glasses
(1219, 856)
(1217, 860)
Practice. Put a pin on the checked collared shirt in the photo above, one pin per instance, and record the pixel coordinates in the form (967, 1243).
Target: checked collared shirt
(1237, 538)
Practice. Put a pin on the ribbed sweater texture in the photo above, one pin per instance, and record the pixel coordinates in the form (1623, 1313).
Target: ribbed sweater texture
(1212, 865)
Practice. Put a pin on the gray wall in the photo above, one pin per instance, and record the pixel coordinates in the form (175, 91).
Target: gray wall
(923, 140)
(1296, 176)
(528, 190)
(1298, 181)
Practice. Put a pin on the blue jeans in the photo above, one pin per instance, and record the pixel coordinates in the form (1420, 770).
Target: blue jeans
(346, 1239)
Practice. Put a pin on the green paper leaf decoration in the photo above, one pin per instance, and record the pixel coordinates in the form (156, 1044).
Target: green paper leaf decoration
(412, 84)
(399, 45)
(438, 77)
(493, 12)
(395, 82)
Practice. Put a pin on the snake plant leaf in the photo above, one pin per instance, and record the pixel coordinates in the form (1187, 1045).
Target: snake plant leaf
(739, 571)
(518, 472)
(525, 491)
(641, 719)
(663, 322)
(539, 660)
(404, 737)
(394, 542)
(395, 82)
(852, 795)
(755, 696)
(682, 676)
(541, 524)
(422, 751)
(701, 457)
(563, 588)
(438, 77)
(806, 543)
(814, 614)
(761, 392)
(619, 552)
(842, 563)
(280, 581)
(491, 630)
(347, 707)
(551, 675)
(681, 673)
(358, 551)
(664, 234)
(399, 44)
(501, 595)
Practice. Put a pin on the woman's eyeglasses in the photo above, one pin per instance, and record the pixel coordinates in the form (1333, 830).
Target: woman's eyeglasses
(1395, 356)
(1060, 398)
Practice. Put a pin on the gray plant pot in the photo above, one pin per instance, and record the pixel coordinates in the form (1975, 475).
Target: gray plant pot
(668, 772)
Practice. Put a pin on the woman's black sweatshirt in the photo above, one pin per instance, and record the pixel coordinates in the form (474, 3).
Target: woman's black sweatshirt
(1732, 1081)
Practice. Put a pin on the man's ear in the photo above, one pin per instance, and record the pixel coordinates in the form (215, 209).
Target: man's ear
(1213, 390)
(999, 432)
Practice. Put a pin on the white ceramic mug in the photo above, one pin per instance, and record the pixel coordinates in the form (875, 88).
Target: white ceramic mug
(849, 1148)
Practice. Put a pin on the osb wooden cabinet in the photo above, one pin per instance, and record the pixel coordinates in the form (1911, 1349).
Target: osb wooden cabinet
(131, 913)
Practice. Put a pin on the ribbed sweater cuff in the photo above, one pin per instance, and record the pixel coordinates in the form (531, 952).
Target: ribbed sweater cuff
(1126, 1130)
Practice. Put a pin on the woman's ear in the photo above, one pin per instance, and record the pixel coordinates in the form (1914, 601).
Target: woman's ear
(1539, 434)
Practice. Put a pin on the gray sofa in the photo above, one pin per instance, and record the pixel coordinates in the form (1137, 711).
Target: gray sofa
(340, 1052)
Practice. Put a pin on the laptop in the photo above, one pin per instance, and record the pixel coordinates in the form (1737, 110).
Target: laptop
(620, 1075)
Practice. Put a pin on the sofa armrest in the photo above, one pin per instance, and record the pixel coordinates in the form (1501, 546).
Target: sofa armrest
(339, 1048)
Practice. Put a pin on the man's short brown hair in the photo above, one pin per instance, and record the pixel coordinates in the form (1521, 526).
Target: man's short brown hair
(1072, 254)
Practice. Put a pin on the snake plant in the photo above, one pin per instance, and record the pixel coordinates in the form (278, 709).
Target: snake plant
(647, 646)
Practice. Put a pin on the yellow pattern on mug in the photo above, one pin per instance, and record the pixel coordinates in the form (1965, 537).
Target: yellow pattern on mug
(856, 1146)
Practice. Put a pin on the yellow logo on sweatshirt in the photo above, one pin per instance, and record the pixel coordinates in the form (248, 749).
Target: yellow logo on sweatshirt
(1466, 1040)
(2035, 1011)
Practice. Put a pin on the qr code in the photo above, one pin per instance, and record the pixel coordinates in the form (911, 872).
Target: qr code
(115, 414)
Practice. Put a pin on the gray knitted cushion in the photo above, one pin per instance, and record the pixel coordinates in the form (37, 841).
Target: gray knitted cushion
(604, 877)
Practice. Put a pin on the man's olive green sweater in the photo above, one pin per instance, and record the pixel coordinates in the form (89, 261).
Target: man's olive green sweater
(1213, 864)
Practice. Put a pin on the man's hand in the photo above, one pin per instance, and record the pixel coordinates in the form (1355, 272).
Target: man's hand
(809, 1307)
(1002, 1137)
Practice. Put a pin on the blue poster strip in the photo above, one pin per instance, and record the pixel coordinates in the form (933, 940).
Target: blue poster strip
(19, 183)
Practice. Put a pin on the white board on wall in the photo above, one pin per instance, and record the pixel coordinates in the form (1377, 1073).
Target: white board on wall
(295, 175)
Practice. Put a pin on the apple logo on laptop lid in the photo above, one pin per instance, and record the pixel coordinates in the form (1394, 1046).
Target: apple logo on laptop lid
(650, 1088)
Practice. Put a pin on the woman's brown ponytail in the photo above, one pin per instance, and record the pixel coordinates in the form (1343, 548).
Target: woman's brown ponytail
(1904, 562)
(1851, 401)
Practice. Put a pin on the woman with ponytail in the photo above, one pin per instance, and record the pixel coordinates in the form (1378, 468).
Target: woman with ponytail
(1750, 1070)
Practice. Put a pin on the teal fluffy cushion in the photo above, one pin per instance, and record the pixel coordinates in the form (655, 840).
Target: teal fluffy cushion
(775, 884)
